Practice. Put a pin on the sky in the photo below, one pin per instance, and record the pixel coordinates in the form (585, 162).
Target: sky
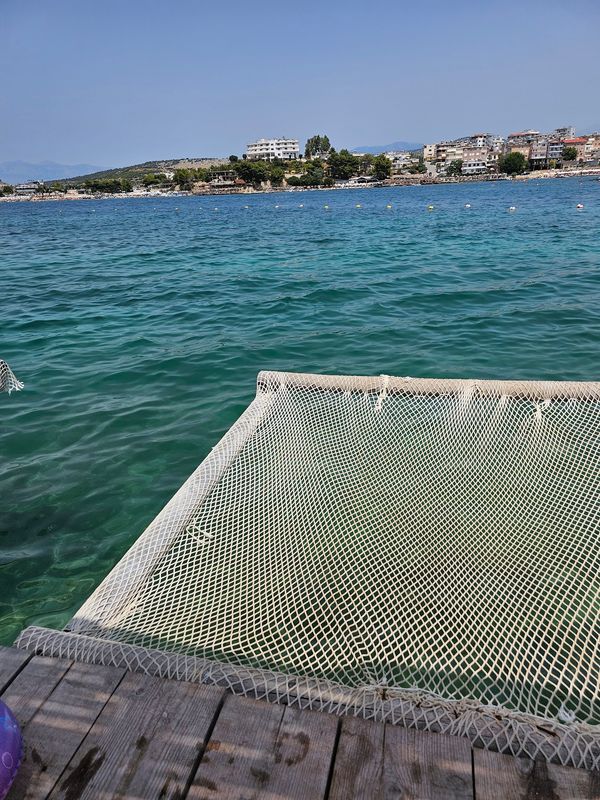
(117, 82)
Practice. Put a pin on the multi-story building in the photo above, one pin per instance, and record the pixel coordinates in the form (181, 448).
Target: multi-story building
(565, 133)
(454, 152)
(474, 160)
(579, 143)
(522, 137)
(31, 187)
(555, 151)
(519, 147)
(401, 158)
(480, 140)
(273, 149)
(430, 152)
(475, 166)
(538, 152)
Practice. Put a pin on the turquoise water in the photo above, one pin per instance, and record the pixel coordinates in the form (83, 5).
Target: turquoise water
(139, 326)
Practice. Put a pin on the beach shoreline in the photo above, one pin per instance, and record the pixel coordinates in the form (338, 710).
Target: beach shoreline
(400, 180)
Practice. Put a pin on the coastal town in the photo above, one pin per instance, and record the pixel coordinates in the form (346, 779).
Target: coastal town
(280, 163)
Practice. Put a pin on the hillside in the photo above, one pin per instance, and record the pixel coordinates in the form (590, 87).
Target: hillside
(386, 148)
(20, 171)
(136, 171)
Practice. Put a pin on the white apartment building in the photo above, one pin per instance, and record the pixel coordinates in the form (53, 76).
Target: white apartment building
(272, 149)
(401, 158)
(429, 152)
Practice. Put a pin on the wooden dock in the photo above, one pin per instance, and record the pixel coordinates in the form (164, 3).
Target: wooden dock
(102, 732)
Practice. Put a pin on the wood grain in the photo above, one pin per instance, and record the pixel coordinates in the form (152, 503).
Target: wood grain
(426, 766)
(11, 661)
(32, 687)
(500, 777)
(259, 750)
(145, 743)
(358, 768)
(58, 728)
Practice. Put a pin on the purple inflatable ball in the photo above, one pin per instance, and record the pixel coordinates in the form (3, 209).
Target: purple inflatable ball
(11, 749)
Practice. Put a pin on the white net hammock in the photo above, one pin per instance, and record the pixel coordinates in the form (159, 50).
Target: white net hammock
(8, 381)
(422, 552)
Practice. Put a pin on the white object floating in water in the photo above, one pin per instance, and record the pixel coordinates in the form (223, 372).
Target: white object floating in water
(579, 205)
(276, 206)
(325, 206)
(512, 208)
(467, 205)
(246, 206)
(388, 205)
(301, 205)
(358, 205)
(8, 380)
(430, 208)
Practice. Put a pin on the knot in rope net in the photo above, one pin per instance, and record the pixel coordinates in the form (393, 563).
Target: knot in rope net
(422, 552)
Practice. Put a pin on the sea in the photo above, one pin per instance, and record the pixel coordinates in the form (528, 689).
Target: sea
(139, 326)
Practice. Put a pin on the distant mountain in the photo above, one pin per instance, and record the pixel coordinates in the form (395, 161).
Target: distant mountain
(21, 171)
(385, 148)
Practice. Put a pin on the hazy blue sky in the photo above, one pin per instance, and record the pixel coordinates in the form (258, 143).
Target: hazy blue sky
(114, 82)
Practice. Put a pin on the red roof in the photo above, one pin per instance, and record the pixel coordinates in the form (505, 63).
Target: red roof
(576, 140)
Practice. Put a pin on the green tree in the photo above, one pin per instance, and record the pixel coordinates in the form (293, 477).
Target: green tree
(184, 178)
(233, 159)
(513, 163)
(253, 172)
(455, 167)
(343, 165)
(569, 153)
(317, 147)
(277, 174)
(382, 167)
(6, 189)
(365, 164)
(150, 179)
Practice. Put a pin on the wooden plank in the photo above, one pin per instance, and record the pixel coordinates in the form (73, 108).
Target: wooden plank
(427, 766)
(259, 749)
(145, 743)
(500, 776)
(33, 685)
(58, 728)
(11, 662)
(358, 768)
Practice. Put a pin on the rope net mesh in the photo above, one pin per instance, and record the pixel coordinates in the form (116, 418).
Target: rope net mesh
(426, 541)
